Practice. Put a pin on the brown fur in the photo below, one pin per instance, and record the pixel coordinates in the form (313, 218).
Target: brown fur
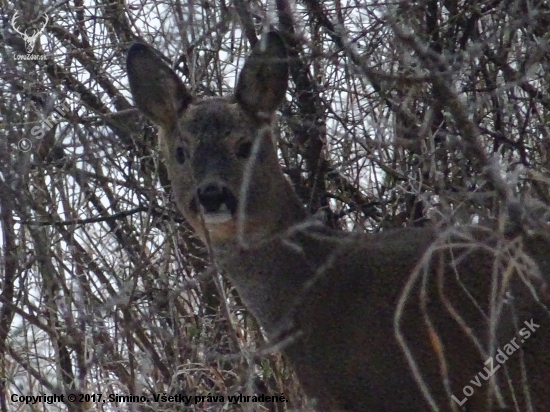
(331, 297)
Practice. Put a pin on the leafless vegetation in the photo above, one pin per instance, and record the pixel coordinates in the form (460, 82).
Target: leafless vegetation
(398, 113)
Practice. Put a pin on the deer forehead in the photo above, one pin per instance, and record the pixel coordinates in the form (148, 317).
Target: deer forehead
(216, 121)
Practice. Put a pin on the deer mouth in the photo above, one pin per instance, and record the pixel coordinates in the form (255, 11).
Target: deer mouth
(216, 205)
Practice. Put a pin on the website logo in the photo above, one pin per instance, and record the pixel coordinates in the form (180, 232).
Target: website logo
(30, 40)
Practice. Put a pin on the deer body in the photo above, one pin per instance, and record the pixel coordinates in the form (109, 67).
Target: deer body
(330, 297)
(290, 306)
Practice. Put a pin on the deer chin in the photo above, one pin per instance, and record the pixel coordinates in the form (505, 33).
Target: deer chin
(223, 226)
(212, 218)
(217, 218)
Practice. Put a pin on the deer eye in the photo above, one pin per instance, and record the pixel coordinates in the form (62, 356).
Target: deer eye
(243, 150)
(180, 155)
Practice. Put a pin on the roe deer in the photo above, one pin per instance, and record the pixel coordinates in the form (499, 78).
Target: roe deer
(403, 320)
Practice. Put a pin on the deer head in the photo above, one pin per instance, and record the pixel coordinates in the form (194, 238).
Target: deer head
(220, 152)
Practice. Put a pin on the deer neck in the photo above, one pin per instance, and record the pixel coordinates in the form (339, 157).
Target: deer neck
(271, 269)
(287, 209)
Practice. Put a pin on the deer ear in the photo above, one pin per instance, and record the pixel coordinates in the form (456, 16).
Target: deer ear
(264, 78)
(157, 90)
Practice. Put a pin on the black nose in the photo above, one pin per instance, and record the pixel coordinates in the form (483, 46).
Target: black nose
(211, 197)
